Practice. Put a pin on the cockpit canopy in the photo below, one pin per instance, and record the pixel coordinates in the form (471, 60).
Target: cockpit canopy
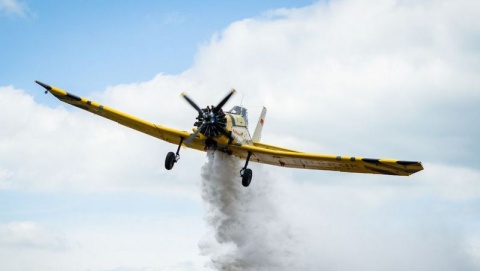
(238, 110)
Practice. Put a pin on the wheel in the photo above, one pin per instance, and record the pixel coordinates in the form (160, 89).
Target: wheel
(170, 160)
(247, 177)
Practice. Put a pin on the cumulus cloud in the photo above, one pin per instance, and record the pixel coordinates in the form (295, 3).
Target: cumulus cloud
(355, 68)
(52, 149)
(387, 78)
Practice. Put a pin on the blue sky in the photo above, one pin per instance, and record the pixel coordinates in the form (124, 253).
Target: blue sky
(88, 45)
(365, 78)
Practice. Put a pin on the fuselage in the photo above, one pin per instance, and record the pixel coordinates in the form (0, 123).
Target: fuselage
(238, 126)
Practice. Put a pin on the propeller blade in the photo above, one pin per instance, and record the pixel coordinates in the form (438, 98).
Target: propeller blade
(224, 101)
(193, 135)
(192, 103)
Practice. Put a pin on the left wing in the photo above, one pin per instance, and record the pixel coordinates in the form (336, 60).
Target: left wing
(164, 133)
(268, 154)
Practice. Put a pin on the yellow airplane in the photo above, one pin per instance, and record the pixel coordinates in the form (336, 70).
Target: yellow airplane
(228, 132)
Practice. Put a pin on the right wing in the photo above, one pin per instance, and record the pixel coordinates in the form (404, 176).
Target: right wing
(161, 132)
(278, 156)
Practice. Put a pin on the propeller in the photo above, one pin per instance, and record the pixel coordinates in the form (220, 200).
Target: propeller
(224, 101)
(211, 121)
(192, 103)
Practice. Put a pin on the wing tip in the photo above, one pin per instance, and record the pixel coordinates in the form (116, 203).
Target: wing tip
(47, 87)
(408, 163)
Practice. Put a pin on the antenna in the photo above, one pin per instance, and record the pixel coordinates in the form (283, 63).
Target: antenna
(241, 102)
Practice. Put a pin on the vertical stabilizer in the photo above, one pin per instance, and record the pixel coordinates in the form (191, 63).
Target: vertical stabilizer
(258, 130)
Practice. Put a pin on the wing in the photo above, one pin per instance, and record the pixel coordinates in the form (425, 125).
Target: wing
(164, 133)
(268, 154)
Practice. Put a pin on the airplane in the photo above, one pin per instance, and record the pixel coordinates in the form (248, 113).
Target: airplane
(215, 129)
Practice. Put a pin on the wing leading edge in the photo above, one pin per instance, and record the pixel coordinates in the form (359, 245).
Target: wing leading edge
(161, 132)
(293, 159)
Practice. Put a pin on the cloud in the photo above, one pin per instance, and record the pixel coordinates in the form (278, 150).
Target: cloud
(380, 73)
(149, 243)
(51, 149)
(13, 8)
(30, 235)
(391, 78)
(376, 229)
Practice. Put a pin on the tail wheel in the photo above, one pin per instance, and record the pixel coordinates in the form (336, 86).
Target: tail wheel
(247, 177)
(170, 160)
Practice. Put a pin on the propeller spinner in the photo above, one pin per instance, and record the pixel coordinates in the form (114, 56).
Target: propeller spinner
(211, 121)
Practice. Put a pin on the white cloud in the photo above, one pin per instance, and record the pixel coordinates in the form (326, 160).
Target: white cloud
(153, 243)
(148, 243)
(13, 7)
(387, 78)
(53, 149)
(30, 235)
(370, 228)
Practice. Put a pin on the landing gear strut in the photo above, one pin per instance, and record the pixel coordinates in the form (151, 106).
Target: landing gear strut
(172, 158)
(246, 173)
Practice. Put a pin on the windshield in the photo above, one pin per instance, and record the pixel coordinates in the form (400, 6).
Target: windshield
(238, 110)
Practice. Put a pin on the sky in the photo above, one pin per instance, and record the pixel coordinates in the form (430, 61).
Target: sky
(89, 45)
(384, 78)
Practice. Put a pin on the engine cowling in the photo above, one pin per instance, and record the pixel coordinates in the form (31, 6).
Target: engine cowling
(210, 123)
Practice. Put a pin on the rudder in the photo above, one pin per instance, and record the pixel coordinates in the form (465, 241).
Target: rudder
(258, 130)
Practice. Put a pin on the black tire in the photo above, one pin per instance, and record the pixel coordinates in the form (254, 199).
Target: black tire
(170, 160)
(247, 177)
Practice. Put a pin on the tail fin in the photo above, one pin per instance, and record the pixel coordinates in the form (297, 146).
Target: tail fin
(258, 130)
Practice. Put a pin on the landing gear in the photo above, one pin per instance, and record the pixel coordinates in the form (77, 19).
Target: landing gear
(246, 173)
(246, 177)
(172, 158)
